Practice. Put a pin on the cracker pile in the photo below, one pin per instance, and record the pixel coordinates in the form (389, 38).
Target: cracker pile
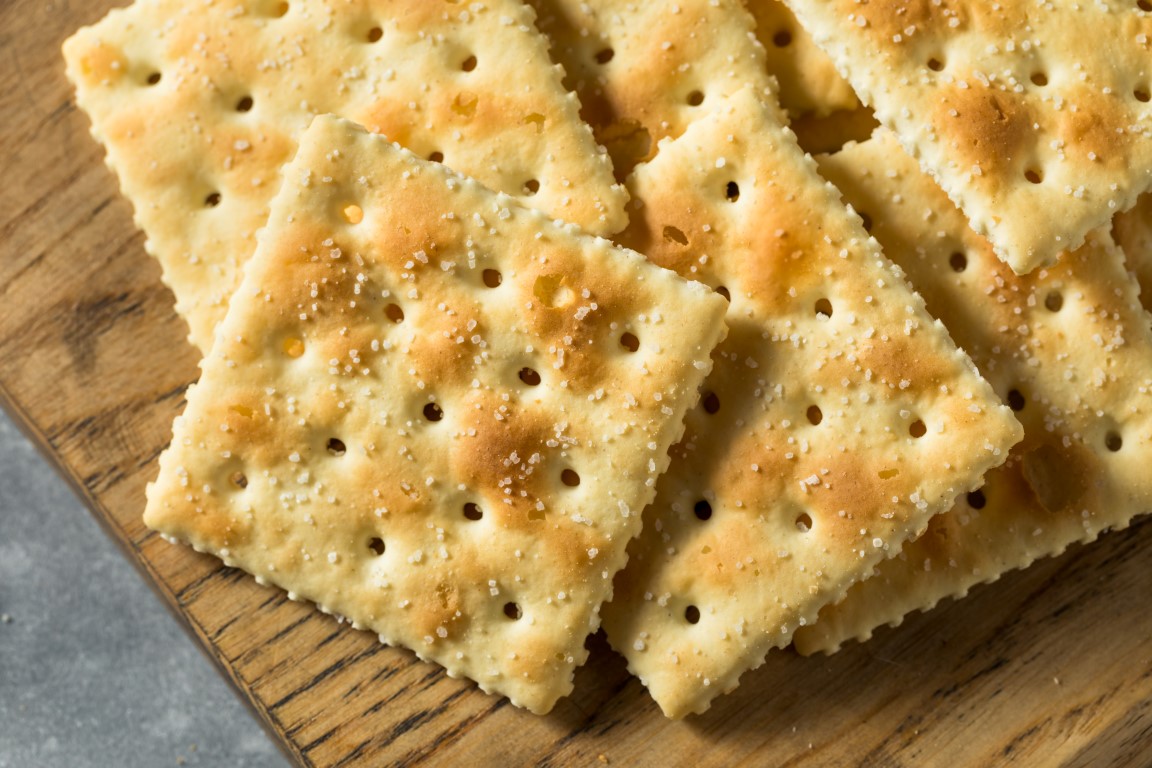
(838, 420)
(1068, 347)
(435, 402)
(435, 413)
(200, 104)
(1035, 117)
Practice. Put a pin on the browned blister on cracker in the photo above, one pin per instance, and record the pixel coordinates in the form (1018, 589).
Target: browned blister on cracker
(838, 419)
(1068, 347)
(436, 413)
(199, 104)
(1034, 117)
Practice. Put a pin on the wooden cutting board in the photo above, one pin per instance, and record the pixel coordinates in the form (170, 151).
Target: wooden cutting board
(1051, 666)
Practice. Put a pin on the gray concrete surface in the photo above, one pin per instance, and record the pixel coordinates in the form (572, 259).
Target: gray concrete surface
(94, 671)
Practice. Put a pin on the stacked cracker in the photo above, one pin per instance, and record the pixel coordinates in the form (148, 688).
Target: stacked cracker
(439, 413)
(429, 409)
(799, 470)
(438, 416)
(1067, 366)
(200, 104)
(1069, 348)
(1033, 117)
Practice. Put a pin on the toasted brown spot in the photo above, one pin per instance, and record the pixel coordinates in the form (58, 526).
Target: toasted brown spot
(353, 214)
(985, 124)
(292, 346)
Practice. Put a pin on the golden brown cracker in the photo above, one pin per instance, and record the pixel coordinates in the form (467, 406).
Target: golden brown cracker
(1068, 347)
(838, 419)
(435, 412)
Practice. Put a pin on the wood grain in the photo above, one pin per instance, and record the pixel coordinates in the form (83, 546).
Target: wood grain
(1051, 666)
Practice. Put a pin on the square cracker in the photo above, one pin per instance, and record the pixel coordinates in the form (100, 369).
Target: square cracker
(646, 71)
(199, 104)
(436, 413)
(1070, 349)
(1133, 233)
(1033, 116)
(838, 419)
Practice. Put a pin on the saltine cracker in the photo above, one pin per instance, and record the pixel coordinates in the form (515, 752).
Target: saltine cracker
(199, 105)
(838, 419)
(1069, 348)
(1033, 116)
(436, 413)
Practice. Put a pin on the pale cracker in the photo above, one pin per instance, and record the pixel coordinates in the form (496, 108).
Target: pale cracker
(840, 417)
(199, 105)
(1133, 232)
(1068, 346)
(1034, 117)
(646, 71)
(409, 352)
(808, 81)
